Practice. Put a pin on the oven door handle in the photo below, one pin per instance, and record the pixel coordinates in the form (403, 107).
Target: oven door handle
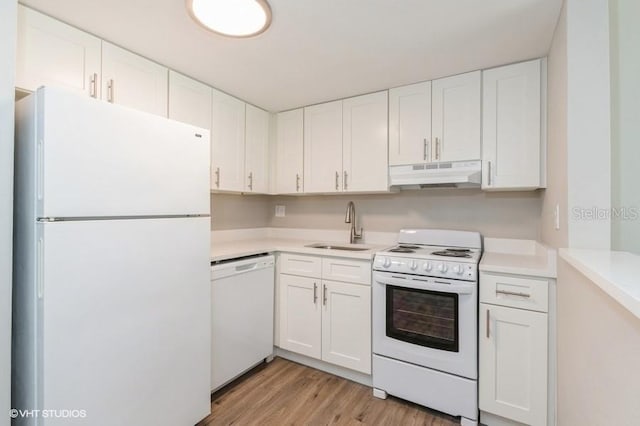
(432, 284)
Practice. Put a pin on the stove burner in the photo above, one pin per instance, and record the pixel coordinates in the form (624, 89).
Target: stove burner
(407, 246)
(452, 253)
(402, 250)
(461, 250)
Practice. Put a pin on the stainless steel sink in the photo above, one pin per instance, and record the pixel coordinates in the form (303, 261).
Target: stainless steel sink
(332, 247)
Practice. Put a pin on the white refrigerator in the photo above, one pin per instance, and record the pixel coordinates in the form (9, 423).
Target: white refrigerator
(112, 298)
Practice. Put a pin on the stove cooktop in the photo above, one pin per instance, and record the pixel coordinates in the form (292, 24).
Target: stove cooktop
(415, 251)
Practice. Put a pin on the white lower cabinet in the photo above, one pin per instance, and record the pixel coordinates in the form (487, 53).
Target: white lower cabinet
(300, 315)
(346, 325)
(325, 319)
(514, 356)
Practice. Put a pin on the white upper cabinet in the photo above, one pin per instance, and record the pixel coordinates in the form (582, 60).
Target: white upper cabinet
(133, 81)
(189, 101)
(410, 124)
(289, 152)
(456, 118)
(512, 121)
(227, 143)
(257, 150)
(365, 143)
(50, 53)
(323, 147)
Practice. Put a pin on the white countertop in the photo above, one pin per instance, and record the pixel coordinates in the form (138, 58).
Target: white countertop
(234, 249)
(518, 257)
(617, 273)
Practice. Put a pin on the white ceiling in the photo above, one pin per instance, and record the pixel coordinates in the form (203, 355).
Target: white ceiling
(319, 50)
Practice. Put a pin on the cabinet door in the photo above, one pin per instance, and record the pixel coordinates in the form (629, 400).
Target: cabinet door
(50, 53)
(365, 143)
(300, 315)
(323, 147)
(513, 363)
(257, 150)
(410, 124)
(511, 127)
(289, 157)
(346, 325)
(456, 118)
(189, 101)
(227, 143)
(133, 81)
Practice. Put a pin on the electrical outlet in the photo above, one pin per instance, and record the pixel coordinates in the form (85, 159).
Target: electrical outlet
(556, 217)
(279, 211)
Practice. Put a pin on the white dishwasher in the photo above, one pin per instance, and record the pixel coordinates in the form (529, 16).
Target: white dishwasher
(242, 299)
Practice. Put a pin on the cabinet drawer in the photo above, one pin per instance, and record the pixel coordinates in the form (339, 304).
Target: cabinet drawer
(517, 292)
(353, 271)
(296, 264)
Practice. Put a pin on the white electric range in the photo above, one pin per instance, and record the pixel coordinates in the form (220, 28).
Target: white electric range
(425, 326)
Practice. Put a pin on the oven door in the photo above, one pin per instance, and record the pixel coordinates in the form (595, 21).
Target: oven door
(426, 321)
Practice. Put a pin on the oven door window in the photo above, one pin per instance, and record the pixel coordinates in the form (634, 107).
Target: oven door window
(423, 317)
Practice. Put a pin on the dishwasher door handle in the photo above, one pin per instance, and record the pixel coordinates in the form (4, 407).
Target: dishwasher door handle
(247, 267)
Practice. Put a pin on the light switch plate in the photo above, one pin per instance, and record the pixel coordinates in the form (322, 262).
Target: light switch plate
(280, 211)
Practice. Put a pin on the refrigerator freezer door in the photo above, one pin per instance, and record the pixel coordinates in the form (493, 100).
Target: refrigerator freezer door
(126, 310)
(97, 159)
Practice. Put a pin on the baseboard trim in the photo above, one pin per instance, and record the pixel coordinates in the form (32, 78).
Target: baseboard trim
(354, 376)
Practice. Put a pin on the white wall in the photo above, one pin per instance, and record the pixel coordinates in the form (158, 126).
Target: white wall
(7, 67)
(598, 339)
(625, 122)
(598, 354)
(588, 123)
(556, 192)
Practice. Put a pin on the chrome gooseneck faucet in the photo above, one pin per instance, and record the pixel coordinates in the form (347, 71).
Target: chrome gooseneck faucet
(350, 217)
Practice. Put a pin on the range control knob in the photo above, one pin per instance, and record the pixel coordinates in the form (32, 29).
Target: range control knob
(413, 265)
(443, 267)
(386, 262)
(458, 269)
(428, 266)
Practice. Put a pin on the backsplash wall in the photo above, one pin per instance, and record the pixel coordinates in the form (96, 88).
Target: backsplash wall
(506, 215)
(498, 214)
(230, 211)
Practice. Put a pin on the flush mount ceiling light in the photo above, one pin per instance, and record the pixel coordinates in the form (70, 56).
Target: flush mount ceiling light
(232, 18)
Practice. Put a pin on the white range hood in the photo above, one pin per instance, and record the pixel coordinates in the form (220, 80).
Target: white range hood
(451, 174)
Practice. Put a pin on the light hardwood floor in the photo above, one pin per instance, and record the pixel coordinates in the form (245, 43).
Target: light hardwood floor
(286, 393)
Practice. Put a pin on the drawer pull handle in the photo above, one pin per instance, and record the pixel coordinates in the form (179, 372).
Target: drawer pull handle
(513, 293)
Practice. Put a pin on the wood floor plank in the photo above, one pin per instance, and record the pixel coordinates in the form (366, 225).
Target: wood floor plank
(286, 393)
